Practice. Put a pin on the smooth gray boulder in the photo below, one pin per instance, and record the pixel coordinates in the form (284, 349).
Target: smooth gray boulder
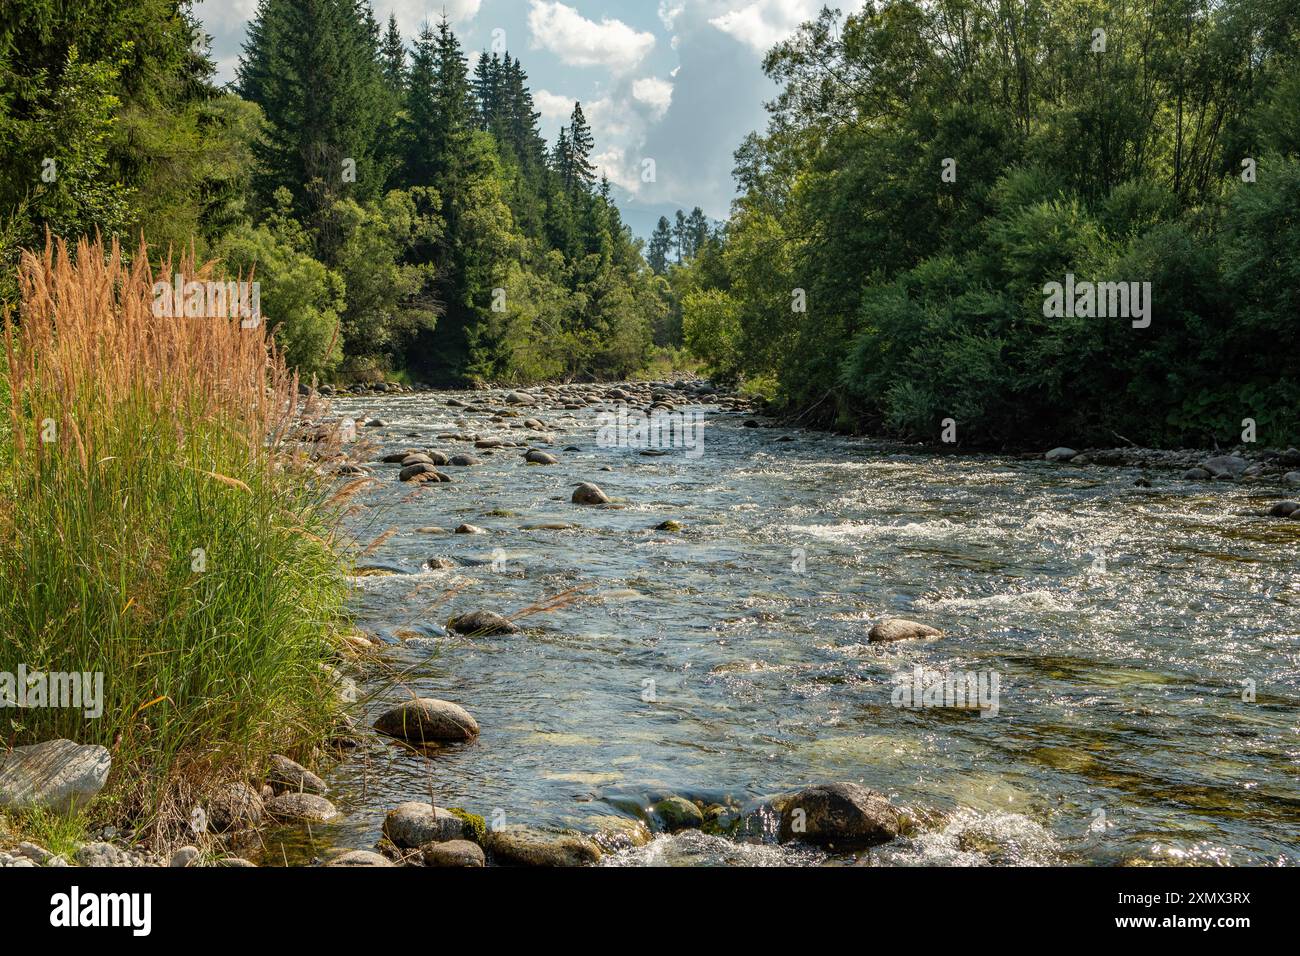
(289, 776)
(1225, 466)
(1060, 454)
(301, 808)
(453, 853)
(527, 846)
(413, 824)
(427, 720)
(59, 775)
(587, 493)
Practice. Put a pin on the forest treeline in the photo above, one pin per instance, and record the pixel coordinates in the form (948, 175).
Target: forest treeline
(929, 167)
(402, 212)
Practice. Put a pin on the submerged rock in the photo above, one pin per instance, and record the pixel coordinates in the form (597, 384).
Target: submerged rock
(844, 815)
(427, 720)
(527, 846)
(900, 629)
(470, 529)
(677, 813)
(587, 493)
(482, 622)
(58, 775)
(1284, 509)
(535, 457)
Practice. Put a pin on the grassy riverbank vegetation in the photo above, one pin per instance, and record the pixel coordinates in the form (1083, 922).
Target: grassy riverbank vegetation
(157, 528)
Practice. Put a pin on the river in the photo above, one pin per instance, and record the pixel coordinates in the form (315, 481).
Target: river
(1144, 641)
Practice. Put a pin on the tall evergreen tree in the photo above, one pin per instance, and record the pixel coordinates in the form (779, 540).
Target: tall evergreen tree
(581, 172)
(661, 241)
(394, 57)
(312, 65)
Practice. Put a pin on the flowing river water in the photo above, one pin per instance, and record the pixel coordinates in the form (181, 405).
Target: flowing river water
(1129, 629)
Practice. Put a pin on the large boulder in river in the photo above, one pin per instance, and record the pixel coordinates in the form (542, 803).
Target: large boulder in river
(414, 824)
(453, 853)
(1292, 477)
(588, 494)
(482, 622)
(58, 775)
(900, 629)
(535, 457)
(1284, 509)
(527, 846)
(1225, 467)
(427, 720)
(843, 815)
(301, 808)
(1060, 454)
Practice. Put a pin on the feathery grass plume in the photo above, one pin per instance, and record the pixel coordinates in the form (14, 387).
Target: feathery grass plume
(191, 566)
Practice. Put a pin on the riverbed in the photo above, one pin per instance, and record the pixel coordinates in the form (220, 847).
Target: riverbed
(1145, 643)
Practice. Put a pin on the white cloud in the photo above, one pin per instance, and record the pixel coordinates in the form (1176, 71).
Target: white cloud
(578, 41)
(552, 105)
(614, 163)
(654, 93)
(764, 23)
(413, 14)
(669, 11)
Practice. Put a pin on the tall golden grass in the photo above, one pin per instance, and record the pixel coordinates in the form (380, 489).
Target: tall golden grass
(162, 532)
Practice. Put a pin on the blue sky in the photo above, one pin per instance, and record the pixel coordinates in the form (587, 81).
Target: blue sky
(676, 81)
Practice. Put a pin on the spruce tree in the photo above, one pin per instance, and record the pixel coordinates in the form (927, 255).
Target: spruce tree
(312, 65)
(394, 58)
(661, 241)
(581, 172)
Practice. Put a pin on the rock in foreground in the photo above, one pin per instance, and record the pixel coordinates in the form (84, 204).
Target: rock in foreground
(588, 494)
(482, 622)
(427, 720)
(288, 776)
(413, 824)
(58, 775)
(453, 853)
(843, 815)
(526, 846)
(301, 808)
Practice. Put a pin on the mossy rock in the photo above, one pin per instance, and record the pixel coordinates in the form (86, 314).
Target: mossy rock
(475, 825)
